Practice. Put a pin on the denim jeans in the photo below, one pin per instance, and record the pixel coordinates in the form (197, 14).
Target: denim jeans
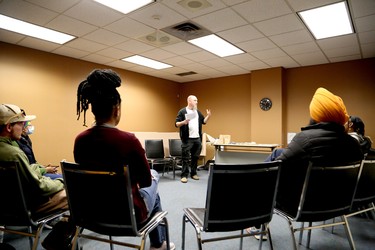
(151, 198)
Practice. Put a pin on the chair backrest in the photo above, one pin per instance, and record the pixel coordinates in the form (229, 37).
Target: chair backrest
(175, 149)
(240, 195)
(100, 200)
(13, 208)
(366, 185)
(154, 148)
(328, 191)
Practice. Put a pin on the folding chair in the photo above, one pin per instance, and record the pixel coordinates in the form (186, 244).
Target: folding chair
(155, 154)
(365, 194)
(14, 208)
(175, 153)
(101, 201)
(327, 193)
(227, 206)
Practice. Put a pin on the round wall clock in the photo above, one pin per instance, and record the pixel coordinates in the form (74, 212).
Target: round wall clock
(265, 104)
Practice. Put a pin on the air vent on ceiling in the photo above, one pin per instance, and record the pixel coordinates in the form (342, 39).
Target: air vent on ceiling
(187, 27)
(187, 31)
(187, 73)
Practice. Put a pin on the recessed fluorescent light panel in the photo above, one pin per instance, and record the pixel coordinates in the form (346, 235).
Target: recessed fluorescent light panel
(216, 45)
(33, 30)
(328, 21)
(125, 6)
(146, 62)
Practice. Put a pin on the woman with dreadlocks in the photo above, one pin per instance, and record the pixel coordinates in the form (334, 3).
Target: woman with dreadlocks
(104, 144)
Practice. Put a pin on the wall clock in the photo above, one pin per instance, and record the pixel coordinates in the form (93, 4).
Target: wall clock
(265, 104)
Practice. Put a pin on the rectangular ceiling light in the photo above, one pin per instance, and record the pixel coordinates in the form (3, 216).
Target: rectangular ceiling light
(140, 60)
(216, 45)
(328, 21)
(33, 30)
(125, 6)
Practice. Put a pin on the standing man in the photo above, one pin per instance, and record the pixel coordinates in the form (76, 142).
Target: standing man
(190, 120)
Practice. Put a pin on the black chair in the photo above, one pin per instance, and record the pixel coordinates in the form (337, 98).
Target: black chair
(365, 195)
(101, 201)
(155, 154)
(15, 214)
(327, 192)
(175, 153)
(227, 208)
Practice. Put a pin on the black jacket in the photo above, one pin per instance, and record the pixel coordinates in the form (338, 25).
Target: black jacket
(323, 144)
(184, 130)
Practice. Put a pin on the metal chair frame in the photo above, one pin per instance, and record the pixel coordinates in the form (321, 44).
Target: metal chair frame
(327, 193)
(175, 153)
(101, 201)
(227, 208)
(14, 210)
(155, 154)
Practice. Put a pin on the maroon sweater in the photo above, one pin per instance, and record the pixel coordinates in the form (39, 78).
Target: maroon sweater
(108, 146)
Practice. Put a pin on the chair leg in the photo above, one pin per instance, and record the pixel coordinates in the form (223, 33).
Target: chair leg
(166, 225)
(262, 228)
(31, 241)
(1, 235)
(301, 234)
(75, 238)
(183, 232)
(174, 168)
(241, 240)
(292, 233)
(269, 237)
(348, 232)
(309, 235)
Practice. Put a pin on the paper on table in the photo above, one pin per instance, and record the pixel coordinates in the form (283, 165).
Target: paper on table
(190, 116)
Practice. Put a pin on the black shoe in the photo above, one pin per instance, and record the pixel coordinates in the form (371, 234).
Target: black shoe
(60, 238)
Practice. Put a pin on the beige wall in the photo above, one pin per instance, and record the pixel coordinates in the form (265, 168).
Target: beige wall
(45, 84)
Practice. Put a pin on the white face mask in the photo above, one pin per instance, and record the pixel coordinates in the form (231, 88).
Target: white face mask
(30, 129)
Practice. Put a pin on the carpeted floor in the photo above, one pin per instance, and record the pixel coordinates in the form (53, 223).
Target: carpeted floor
(176, 195)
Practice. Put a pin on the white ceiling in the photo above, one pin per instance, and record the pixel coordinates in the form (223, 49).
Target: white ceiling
(269, 31)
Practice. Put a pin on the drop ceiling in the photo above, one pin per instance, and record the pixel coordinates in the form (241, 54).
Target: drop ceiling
(269, 31)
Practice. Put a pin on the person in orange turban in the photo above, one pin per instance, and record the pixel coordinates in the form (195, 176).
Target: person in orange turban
(327, 107)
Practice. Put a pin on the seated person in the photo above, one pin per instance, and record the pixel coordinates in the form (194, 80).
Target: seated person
(105, 144)
(324, 141)
(26, 145)
(356, 128)
(45, 194)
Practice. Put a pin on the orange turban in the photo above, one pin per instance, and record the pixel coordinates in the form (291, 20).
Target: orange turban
(327, 107)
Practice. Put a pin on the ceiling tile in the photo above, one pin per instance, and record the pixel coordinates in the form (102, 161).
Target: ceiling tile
(279, 25)
(259, 10)
(270, 31)
(218, 21)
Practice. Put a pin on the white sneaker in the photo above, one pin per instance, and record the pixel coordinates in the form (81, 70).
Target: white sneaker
(164, 246)
(256, 230)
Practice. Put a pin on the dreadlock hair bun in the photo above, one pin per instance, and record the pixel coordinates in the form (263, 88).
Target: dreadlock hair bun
(99, 90)
(104, 79)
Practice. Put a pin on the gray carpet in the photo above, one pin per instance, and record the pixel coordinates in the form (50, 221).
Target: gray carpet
(176, 195)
